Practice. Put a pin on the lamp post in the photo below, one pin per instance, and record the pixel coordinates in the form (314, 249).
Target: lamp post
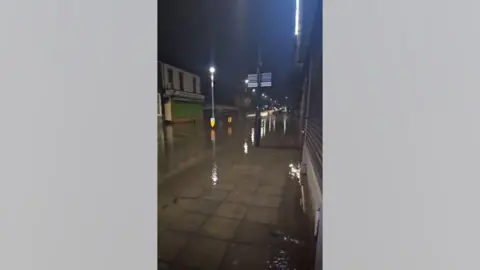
(212, 73)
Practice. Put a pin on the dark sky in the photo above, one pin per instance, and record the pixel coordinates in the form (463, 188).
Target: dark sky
(194, 34)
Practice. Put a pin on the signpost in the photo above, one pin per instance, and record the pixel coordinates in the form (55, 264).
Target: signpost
(265, 80)
(253, 80)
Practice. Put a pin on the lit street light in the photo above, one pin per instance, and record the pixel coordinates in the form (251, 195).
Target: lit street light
(253, 90)
(212, 120)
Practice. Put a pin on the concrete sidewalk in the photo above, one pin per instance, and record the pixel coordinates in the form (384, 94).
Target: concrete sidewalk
(240, 209)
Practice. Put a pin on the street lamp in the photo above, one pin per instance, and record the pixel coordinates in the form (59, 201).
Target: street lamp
(212, 120)
(253, 90)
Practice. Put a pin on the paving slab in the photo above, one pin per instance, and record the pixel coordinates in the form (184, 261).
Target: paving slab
(266, 215)
(202, 206)
(270, 190)
(252, 232)
(220, 228)
(169, 244)
(240, 256)
(243, 197)
(188, 222)
(214, 194)
(189, 192)
(266, 200)
(231, 210)
(202, 253)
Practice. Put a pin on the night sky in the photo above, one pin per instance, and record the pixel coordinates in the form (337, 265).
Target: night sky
(193, 34)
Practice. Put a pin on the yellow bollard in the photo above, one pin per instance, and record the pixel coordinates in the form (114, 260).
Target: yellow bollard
(212, 122)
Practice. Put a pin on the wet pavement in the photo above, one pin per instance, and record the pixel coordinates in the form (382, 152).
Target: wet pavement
(239, 208)
(182, 145)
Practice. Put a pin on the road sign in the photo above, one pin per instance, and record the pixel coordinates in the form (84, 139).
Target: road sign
(265, 80)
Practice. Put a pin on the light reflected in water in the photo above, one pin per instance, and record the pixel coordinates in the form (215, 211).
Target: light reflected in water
(295, 170)
(252, 136)
(270, 123)
(284, 125)
(169, 133)
(274, 121)
(212, 135)
(214, 166)
(262, 129)
(214, 174)
(302, 199)
(229, 131)
(295, 174)
(169, 138)
(245, 148)
(161, 140)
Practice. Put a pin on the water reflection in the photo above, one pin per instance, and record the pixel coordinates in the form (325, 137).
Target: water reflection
(284, 124)
(295, 170)
(262, 128)
(161, 139)
(169, 133)
(295, 174)
(269, 123)
(169, 139)
(212, 136)
(214, 176)
(252, 136)
(229, 131)
(245, 148)
(280, 261)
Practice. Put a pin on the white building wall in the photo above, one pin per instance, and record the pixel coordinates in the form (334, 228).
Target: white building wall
(159, 102)
(187, 79)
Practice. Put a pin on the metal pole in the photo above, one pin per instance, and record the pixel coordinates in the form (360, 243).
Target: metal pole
(213, 100)
(258, 99)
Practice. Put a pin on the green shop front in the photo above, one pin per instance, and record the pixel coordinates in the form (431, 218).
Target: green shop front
(182, 107)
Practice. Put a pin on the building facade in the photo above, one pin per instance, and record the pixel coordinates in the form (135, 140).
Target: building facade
(180, 97)
(309, 62)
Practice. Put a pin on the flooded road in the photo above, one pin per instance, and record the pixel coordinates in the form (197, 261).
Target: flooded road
(239, 207)
(183, 145)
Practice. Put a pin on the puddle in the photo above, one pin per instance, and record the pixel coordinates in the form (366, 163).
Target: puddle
(295, 174)
(280, 261)
(286, 238)
(294, 171)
